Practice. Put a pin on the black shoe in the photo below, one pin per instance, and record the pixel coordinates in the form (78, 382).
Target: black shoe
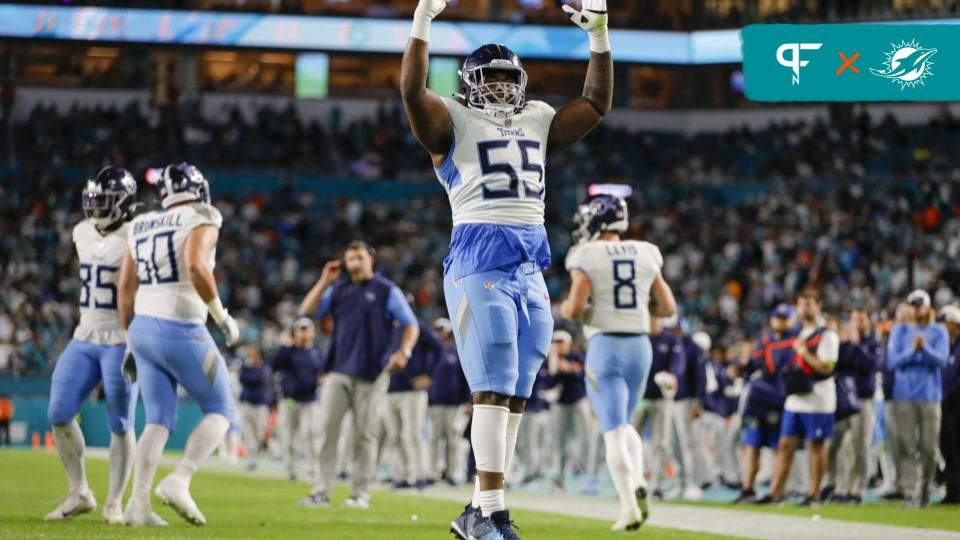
(837, 498)
(827, 492)
(747, 496)
(950, 500)
(343, 476)
(809, 502)
(769, 499)
(892, 496)
(854, 499)
(706, 485)
(403, 485)
(924, 499)
(501, 520)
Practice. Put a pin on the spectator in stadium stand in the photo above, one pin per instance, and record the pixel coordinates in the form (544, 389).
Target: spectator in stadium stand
(918, 350)
(364, 307)
(950, 426)
(860, 358)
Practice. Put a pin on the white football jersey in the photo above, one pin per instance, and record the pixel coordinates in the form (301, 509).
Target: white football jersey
(100, 257)
(157, 241)
(621, 274)
(494, 171)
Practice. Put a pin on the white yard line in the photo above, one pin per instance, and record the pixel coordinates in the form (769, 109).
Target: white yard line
(721, 521)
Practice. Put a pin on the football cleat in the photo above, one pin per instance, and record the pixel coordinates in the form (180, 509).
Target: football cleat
(464, 521)
(139, 514)
(643, 502)
(74, 505)
(361, 502)
(176, 495)
(315, 500)
(501, 520)
(113, 513)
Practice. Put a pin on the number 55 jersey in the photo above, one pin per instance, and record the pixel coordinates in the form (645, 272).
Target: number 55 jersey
(621, 274)
(157, 242)
(494, 178)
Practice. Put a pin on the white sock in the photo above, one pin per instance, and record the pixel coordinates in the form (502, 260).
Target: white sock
(122, 448)
(488, 435)
(70, 446)
(203, 441)
(635, 449)
(147, 459)
(513, 431)
(492, 501)
(621, 469)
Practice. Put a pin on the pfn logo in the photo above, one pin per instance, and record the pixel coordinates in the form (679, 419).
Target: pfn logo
(794, 62)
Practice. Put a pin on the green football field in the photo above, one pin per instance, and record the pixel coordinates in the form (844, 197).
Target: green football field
(237, 506)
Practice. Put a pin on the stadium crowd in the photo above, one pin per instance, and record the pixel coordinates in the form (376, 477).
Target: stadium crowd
(885, 223)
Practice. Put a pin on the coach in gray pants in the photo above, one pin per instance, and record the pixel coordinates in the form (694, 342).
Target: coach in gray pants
(364, 308)
(918, 349)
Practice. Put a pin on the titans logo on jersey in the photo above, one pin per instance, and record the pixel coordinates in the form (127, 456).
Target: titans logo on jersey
(157, 241)
(621, 274)
(100, 257)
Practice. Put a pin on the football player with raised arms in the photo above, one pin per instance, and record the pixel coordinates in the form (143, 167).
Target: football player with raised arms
(488, 146)
(167, 281)
(95, 353)
(616, 287)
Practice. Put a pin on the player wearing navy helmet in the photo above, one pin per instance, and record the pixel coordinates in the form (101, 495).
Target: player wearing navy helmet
(488, 146)
(95, 353)
(616, 288)
(167, 279)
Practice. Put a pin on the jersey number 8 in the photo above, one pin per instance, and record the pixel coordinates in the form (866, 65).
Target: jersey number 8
(148, 269)
(624, 288)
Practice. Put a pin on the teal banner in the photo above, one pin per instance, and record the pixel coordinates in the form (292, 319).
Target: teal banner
(851, 62)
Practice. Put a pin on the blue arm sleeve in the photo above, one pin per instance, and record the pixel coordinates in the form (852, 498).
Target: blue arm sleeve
(936, 352)
(325, 302)
(399, 309)
(898, 352)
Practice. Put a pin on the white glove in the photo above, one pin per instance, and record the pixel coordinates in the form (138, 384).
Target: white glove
(593, 19)
(426, 11)
(667, 382)
(231, 330)
(129, 366)
(223, 319)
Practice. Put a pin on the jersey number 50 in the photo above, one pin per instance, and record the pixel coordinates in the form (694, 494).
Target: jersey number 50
(512, 191)
(148, 269)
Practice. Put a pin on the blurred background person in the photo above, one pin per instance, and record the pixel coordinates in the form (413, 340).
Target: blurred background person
(654, 412)
(917, 352)
(860, 358)
(949, 316)
(449, 398)
(256, 380)
(570, 409)
(299, 363)
(687, 409)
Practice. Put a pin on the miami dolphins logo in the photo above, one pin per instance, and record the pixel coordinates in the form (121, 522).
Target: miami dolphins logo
(907, 64)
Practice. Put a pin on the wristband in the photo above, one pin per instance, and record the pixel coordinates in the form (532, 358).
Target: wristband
(215, 307)
(599, 40)
(421, 27)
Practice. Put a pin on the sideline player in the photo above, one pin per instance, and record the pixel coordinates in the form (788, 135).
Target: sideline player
(96, 350)
(623, 280)
(488, 147)
(170, 270)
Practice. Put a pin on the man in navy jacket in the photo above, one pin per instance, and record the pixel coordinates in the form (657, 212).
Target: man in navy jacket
(256, 380)
(950, 425)
(860, 358)
(449, 398)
